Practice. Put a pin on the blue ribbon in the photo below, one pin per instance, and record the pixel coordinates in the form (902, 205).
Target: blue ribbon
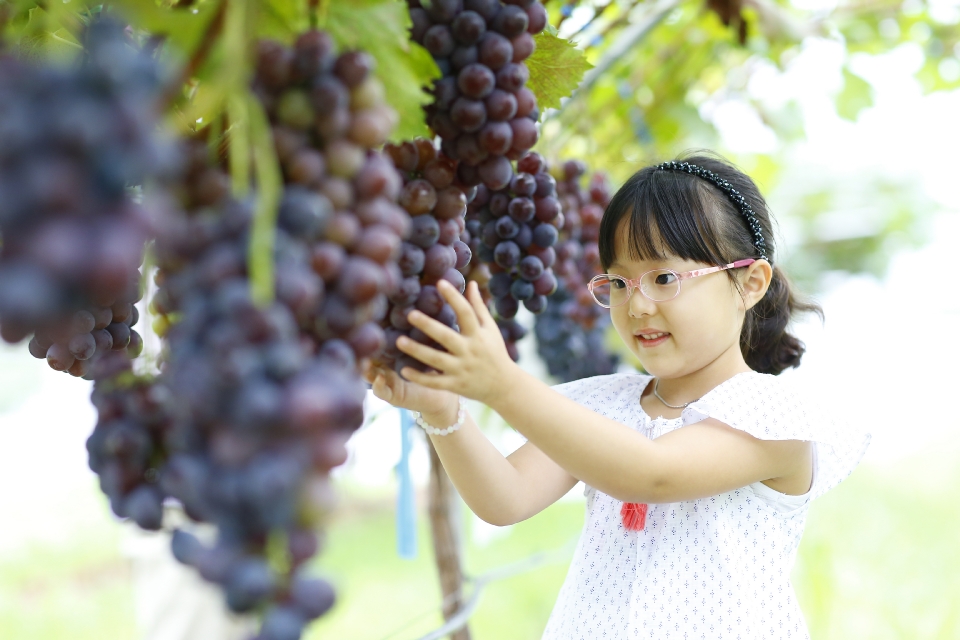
(406, 506)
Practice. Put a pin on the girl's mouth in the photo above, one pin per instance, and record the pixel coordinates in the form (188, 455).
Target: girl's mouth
(652, 340)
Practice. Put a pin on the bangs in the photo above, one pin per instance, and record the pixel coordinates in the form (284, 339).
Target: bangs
(663, 214)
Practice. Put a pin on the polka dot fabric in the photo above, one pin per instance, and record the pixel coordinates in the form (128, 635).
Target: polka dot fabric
(717, 568)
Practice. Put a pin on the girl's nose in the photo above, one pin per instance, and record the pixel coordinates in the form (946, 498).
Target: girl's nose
(639, 304)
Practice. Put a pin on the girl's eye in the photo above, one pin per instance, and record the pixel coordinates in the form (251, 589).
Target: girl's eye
(665, 278)
(617, 283)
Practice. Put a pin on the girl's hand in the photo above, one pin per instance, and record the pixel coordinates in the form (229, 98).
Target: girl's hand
(476, 364)
(388, 386)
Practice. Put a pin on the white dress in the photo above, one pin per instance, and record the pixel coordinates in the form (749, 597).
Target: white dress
(711, 569)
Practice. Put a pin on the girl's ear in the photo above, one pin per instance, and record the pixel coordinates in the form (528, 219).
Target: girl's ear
(755, 281)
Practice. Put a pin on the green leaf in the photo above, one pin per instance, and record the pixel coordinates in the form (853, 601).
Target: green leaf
(380, 27)
(556, 69)
(856, 95)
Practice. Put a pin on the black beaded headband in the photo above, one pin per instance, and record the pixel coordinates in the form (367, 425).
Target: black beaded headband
(732, 193)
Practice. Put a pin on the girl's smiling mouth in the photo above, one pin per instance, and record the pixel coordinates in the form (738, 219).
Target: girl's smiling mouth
(651, 338)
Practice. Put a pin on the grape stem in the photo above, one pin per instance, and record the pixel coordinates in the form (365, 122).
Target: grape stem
(173, 90)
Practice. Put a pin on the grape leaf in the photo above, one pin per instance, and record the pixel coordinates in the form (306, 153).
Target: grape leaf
(556, 68)
(380, 27)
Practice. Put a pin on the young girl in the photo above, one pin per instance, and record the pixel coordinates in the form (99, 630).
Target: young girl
(699, 475)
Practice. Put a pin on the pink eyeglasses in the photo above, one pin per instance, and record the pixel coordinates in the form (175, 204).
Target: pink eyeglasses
(658, 285)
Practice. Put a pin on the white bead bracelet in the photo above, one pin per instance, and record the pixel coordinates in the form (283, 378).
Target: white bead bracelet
(433, 431)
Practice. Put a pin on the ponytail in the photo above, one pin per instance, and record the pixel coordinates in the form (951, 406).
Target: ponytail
(766, 345)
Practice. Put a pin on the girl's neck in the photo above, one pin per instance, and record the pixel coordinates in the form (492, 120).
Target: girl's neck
(692, 386)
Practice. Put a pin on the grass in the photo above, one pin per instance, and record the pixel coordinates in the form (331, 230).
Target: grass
(879, 560)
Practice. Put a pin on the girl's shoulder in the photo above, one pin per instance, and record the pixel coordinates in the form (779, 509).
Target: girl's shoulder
(606, 394)
(771, 407)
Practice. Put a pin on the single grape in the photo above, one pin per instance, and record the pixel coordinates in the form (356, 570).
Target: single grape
(521, 290)
(501, 106)
(495, 50)
(507, 254)
(476, 81)
(496, 172)
(424, 232)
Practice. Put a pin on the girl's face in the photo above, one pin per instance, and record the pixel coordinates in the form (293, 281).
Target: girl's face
(703, 323)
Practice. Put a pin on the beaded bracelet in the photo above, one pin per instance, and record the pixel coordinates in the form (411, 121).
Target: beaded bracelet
(433, 431)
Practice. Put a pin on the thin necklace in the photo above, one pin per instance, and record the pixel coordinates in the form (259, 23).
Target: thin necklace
(672, 406)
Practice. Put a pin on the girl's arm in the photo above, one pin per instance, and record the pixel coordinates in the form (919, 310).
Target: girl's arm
(700, 460)
(499, 490)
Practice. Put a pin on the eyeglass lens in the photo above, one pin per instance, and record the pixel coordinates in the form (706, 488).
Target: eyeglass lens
(659, 286)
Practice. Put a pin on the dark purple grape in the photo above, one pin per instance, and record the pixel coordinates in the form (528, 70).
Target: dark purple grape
(507, 228)
(536, 304)
(120, 334)
(507, 254)
(476, 81)
(406, 292)
(526, 102)
(312, 596)
(545, 235)
(500, 285)
(546, 284)
(468, 114)
(496, 172)
(282, 623)
(525, 134)
(524, 238)
(424, 232)
(440, 172)
(523, 47)
(36, 349)
(418, 197)
(521, 290)
(547, 209)
(353, 67)
(59, 357)
(463, 57)
(495, 50)
(463, 254)
(443, 11)
(495, 138)
(546, 185)
(522, 209)
(499, 202)
(398, 318)
(438, 40)
(135, 346)
(531, 268)
(501, 106)
(430, 301)
(443, 125)
(537, 17)
(507, 307)
(361, 279)
(454, 277)
(487, 9)
(468, 149)
(82, 346)
(439, 258)
(468, 27)
(445, 92)
(451, 203)
(411, 259)
(511, 21)
(103, 340)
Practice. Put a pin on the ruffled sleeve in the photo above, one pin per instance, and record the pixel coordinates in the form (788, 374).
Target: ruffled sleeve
(771, 408)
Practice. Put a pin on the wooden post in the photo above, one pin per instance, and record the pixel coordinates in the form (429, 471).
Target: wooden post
(444, 523)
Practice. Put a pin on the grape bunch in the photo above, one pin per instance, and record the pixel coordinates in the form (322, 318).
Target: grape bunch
(482, 110)
(437, 248)
(570, 335)
(94, 342)
(73, 141)
(266, 396)
(513, 231)
(127, 450)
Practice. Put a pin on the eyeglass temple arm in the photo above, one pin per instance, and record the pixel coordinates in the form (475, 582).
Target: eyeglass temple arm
(702, 272)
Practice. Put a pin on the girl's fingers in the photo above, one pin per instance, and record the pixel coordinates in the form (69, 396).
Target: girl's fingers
(447, 337)
(430, 357)
(466, 317)
(431, 380)
(479, 306)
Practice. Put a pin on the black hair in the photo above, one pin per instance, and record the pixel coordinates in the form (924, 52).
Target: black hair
(673, 213)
